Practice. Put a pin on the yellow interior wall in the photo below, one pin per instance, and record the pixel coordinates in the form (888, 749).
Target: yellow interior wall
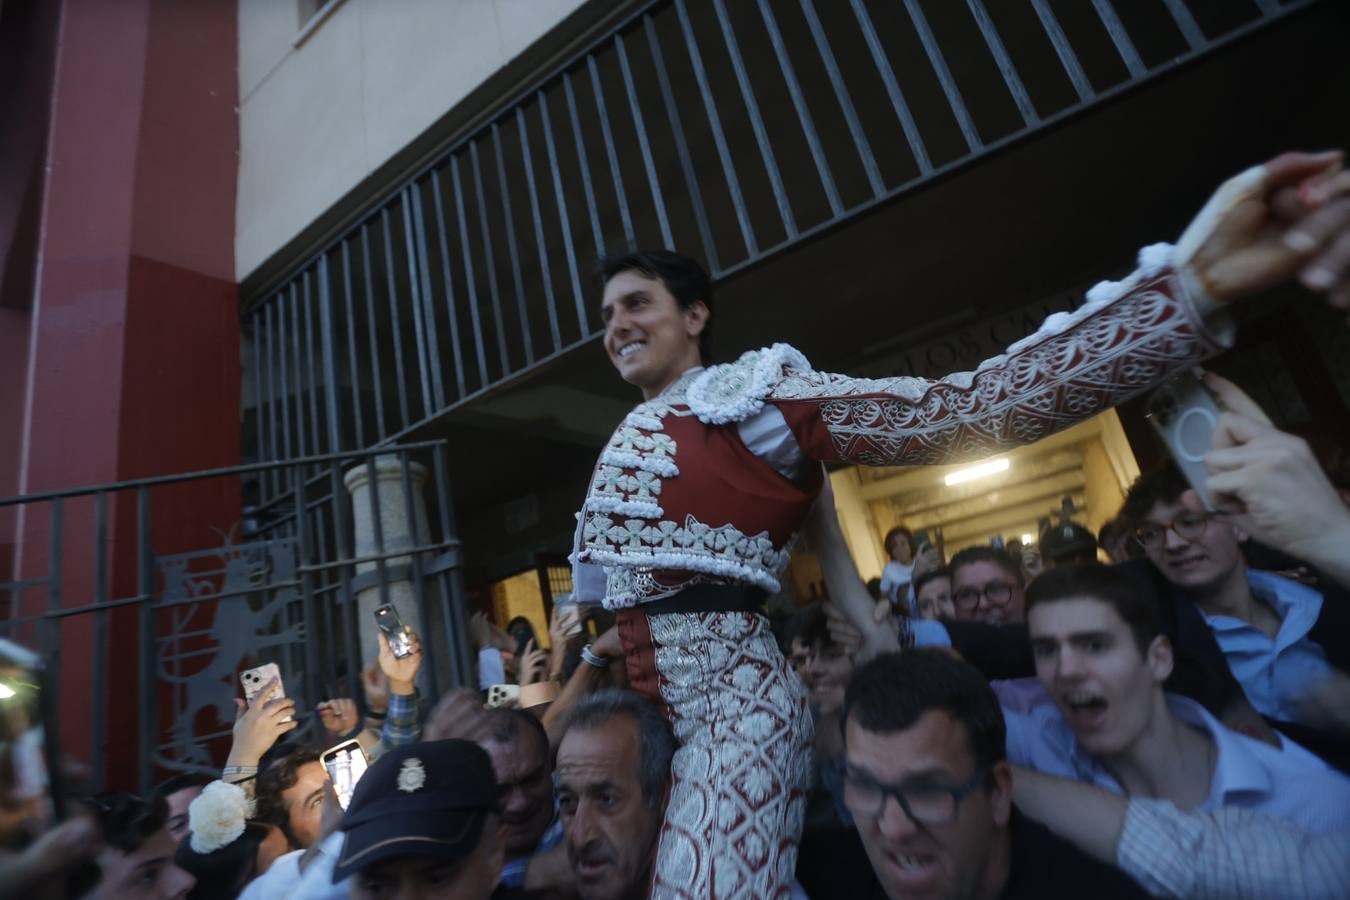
(862, 533)
(519, 595)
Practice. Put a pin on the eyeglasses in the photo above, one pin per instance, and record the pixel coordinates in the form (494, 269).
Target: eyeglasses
(1189, 526)
(999, 592)
(924, 803)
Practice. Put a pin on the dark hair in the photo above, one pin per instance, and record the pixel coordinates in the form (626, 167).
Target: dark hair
(125, 821)
(656, 742)
(1138, 607)
(1114, 528)
(808, 625)
(891, 535)
(222, 873)
(181, 782)
(505, 726)
(686, 280)
(276, 777)
(893, 691)
(931, 575)
(1165, 485)
(982, 553)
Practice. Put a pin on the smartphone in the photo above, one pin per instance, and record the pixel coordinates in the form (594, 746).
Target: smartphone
(921, 540)
(254, 680)
(996, 542)
(386, 617)
(501, 694)
(28, 734)
(345, 763)
(1185, 417)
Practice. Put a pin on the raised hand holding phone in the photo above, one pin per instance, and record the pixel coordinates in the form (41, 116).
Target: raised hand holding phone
(257, 726)
(401, 670)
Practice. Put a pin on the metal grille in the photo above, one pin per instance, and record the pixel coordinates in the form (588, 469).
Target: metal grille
(731, 130)
(166, 633)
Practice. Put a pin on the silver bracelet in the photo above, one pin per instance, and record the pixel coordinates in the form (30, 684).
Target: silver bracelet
(599, 662)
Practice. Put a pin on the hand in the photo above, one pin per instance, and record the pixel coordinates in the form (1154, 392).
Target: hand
(400, 672)
(608, 644)
(1266, 224)
(43, 866)
(458, 714)
(565, 618)
(533, 664)
(485, 634)
(257, 727)
(1032, 563)
(376, 685)
(1269, 484)
(1327, 703)
(339, 716)
(928, 560)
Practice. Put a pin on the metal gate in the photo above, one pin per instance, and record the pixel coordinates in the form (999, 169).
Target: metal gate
(145, 637)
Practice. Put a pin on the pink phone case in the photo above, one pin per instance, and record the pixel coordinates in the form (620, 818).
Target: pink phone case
(254, 680)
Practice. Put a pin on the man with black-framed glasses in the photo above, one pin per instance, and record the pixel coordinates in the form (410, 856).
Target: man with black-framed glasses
(1281, 638)
(930, 791)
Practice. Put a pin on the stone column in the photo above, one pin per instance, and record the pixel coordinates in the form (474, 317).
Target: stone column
(401, 528)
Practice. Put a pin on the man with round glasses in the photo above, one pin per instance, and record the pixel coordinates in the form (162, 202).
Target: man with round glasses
(1280, 637)
(987, 587)
(930, 791)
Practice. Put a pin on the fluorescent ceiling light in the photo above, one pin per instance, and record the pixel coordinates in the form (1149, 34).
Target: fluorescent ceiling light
(980, 470)
(6, 692)
(1028, 539)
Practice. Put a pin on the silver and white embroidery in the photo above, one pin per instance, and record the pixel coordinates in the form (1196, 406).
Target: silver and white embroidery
(740, 775)
(691, 547)
(735, 391)
(623, 525)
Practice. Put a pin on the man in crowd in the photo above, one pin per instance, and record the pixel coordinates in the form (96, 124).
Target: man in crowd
(987, 587)
(530, 826)
(423, 822)
(1099, 713)
(290, 794)
(1284, 641)
(931, 793)
(933, 594)
(613, 777)
(136, 860)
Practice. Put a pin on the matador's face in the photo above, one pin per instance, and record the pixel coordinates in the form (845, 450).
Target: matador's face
(650, 338)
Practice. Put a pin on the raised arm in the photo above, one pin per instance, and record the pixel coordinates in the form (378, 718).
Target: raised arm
(1259, 229)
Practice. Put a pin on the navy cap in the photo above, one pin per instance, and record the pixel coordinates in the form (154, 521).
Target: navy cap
(1071, 539)
(425, 799)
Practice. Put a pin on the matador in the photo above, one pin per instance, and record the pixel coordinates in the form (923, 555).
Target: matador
(689, 516)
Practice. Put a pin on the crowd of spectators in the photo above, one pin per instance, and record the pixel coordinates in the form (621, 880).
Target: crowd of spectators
(1012, 722)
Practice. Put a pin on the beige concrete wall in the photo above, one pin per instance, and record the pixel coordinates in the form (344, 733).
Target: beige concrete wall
(855, 521)
(317, 118)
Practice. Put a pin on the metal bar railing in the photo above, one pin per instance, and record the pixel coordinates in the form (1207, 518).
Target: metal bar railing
(640, 128)
(944, 76)
(925, 66)
(564, 222)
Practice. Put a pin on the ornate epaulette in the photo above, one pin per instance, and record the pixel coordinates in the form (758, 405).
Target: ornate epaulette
(733, 392)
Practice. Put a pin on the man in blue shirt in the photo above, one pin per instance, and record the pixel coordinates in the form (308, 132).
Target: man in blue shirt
(1275, 633)
(1099, 714)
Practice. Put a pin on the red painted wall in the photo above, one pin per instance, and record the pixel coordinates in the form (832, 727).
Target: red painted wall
(133, 336)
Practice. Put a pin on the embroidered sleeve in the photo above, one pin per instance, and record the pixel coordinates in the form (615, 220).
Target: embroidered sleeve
(1127, 337)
